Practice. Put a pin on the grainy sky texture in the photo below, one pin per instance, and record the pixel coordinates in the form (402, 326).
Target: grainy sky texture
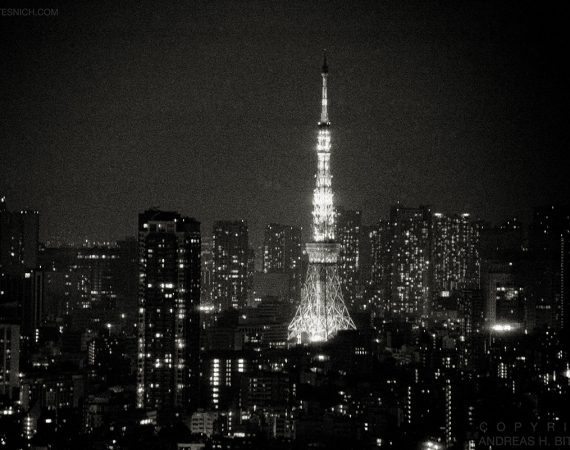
(210, 108)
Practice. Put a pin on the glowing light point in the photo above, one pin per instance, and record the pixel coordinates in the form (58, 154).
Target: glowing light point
(503, 327)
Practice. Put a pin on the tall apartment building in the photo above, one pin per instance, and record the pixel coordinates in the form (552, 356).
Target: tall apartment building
(230, 273)
(348, 234)
(169, 295)
(454, 253)
(549, 246)
(410, 245)
(19, 234)
(379, 289)
(282, 252)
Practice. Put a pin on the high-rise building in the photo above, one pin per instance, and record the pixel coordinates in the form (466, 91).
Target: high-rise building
(169, 295)
(62, 281)
(31, 304)
(471, 314)
(504, 296)
(91, 285)
(504, 242)
(454, 254)
(21, 301)
(282, 253)
(19, 234)
(223, 370)
(250, 274)
(506, 277)
(59, 294)
(207, 262)
(549, 245)
(379, 290)
(348, 231)
(322, 312)
(449, 413)
(230, 275)
(410, 249)
(9, 358)
(281, 248)
(125, 281)
(365, 261)
(95, 265)
(418, 257)
(21, 282)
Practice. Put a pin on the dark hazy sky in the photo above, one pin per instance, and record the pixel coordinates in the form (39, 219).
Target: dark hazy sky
(210, 107)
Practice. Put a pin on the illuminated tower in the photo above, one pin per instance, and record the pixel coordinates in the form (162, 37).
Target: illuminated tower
(322, 311)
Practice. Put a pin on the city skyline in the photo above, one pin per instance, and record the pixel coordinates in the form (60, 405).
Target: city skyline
(92, 128)
(190, 260)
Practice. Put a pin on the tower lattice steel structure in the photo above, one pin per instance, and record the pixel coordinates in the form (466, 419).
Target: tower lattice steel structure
(322, 312)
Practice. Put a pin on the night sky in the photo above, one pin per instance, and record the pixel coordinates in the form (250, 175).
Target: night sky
(210, 108)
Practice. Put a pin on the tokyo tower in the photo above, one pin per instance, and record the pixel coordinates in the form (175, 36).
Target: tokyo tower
(322, 312)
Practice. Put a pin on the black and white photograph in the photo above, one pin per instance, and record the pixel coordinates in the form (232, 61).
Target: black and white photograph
(284, 225)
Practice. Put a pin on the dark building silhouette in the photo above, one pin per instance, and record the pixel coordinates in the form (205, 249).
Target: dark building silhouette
(471, 314)
(281, 248)
(379, 290)
(125, 280)
(365, 262)
(506, 275)
(503, 242)
(9, 358)
(549, 247)
(282, 252)
(21, 280)
(95, 267)
(92, 285)
(19, 234)
(504, 295)
(207, 263)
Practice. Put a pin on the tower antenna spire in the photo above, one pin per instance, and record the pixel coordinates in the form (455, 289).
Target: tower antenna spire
(324, 101)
